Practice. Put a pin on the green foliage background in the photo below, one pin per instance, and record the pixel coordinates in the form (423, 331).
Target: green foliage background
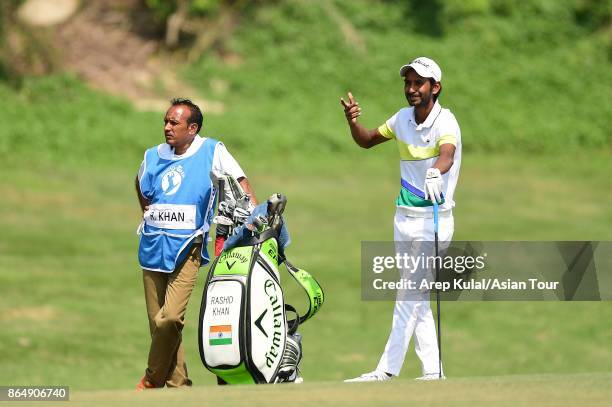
(530, 78)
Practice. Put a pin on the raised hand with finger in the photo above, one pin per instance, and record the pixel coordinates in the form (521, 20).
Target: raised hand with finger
(362, 136)
(351, 108)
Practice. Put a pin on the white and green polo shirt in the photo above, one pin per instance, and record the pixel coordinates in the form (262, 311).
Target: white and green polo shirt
(419, 148)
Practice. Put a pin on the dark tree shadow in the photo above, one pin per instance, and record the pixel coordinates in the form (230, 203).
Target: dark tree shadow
(425, 16)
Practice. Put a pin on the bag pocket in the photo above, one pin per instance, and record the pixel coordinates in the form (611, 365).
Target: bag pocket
(220, 327)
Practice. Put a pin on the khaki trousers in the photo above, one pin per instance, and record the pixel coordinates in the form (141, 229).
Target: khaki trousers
(166, 296)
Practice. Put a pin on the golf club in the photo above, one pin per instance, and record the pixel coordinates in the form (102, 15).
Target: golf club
(437, 265)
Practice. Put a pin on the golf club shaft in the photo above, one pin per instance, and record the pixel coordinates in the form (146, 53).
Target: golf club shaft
(437, 264)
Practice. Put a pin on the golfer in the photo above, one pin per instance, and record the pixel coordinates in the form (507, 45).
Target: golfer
(429, 143)
(177, 199)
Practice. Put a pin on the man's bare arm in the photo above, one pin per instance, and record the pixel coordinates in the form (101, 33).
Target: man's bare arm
(246, 186)
(362, 136)
(446, 158)
(144, 203)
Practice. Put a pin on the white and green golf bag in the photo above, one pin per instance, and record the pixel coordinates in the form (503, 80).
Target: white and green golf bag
(244, 333)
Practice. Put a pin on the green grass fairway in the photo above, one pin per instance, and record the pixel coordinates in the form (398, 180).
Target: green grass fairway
(72, 299)
(521, 390)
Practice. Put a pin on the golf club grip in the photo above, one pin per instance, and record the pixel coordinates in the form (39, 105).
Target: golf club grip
(219, 242)
(436, 218)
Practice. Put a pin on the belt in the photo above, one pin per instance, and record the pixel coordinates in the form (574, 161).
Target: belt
(420, 213)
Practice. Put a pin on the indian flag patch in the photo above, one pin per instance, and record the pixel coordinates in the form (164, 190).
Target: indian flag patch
(220, 335)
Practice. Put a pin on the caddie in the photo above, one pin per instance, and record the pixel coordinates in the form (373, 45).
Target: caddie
(429, 143)
(177, 199)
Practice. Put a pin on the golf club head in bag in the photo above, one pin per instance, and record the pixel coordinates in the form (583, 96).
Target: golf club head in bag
(233, 209)
(276, 207)
(230, 190)
(289, 369)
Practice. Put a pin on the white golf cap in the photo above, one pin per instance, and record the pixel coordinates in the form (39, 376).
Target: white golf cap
(425, 67)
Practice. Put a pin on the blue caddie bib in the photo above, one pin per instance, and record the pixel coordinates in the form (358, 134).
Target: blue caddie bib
(182, 205)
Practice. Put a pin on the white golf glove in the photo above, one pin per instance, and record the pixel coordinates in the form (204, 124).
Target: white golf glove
(433, 185)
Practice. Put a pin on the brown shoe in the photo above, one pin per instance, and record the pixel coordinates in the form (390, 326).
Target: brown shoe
(144, 384)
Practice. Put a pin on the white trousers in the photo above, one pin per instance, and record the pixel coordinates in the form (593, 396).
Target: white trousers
(414, 317)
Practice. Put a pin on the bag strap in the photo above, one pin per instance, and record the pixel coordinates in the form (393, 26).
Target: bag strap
(292, 324)
(313, 290)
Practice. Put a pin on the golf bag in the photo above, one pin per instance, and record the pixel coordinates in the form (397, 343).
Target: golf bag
(244, 332)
